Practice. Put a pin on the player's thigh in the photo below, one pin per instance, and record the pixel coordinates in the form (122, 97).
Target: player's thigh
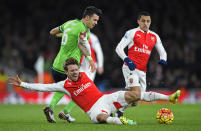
(100, 107)
(116, 100)
(107, 105)
(142, 80)
(131, 77)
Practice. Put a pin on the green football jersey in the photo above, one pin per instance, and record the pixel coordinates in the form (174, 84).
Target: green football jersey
(69, 43)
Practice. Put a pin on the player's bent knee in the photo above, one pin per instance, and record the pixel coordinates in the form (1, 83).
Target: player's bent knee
(132, 96)
(137, 92)
(135, 95)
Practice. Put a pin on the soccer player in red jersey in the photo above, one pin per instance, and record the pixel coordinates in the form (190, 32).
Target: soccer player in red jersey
(85, 94)
(140, 42)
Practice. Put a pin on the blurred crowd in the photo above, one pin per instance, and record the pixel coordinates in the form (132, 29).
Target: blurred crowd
(25, 26)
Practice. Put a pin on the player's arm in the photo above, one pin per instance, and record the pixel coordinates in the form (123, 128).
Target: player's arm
(122, 45)
(161, 51)
(99, 53)
(56, 32)
(37, 86)
(84, 45)
(120, 51)
(85, 49)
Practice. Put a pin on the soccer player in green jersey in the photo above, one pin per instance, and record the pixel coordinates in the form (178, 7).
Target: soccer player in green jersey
(74, 43)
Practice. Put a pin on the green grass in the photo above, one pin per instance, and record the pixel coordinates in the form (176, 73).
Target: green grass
(31, 118)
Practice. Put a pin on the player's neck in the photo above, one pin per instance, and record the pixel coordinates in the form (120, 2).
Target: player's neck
(84, 21)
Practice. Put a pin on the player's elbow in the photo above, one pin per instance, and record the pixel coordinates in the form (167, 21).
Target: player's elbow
(53, 31)
(117, 50)
(164, 56)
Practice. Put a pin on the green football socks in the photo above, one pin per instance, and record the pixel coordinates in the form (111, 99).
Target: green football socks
(69, 106)
(56, 98)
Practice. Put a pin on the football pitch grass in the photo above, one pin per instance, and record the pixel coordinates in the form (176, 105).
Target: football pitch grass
(31, 118)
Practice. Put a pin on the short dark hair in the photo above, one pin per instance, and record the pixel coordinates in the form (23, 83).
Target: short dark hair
(90, 10)
(143, 13)
(69, 61)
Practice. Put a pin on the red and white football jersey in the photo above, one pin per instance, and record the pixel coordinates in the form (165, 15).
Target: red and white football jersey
(140, 45)
(84, 92)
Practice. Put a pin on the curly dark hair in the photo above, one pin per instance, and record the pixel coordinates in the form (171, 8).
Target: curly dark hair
(69, 61)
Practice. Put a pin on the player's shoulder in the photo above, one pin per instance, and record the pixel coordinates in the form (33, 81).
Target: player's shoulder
(82, 74)
(68, 82)
(79, 25)
(67, 24)
(132, 31)
(74, 23)
(153, 33)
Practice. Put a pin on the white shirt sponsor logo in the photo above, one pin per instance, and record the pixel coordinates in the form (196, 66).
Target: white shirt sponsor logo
(82, 88)
(142, 50)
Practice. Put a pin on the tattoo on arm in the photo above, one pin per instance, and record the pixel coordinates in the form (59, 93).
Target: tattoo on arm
(83, 49)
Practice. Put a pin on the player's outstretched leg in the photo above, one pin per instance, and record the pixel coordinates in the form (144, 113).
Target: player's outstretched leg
(49, 109)
(175, 96)
(55, 99)
(49, 114)
(121, 120)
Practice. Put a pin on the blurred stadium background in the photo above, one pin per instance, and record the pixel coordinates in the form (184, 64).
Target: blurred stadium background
(24, 36)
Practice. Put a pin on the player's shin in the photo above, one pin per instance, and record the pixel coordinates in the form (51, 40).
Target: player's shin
(153, 96)
(56, 98)
(69, 107)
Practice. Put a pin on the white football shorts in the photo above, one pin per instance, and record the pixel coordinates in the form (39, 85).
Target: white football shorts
(134, 78)
(107, 104)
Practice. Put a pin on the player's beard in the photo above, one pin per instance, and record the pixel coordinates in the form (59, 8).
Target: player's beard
(75, 77)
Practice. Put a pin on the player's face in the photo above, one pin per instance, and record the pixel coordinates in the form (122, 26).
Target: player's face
(73, 72)
(92, 21)
(144, 23)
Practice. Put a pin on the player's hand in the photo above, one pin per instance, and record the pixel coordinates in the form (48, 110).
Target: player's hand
(92, 65)
(14, 80)
(162, 62)
(83, 35)
(131, 65)
(100, 70)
